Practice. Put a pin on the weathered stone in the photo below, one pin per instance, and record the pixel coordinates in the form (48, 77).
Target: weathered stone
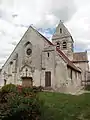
(43, 57)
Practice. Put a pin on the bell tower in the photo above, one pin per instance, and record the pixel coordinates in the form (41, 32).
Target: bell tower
(63, 40)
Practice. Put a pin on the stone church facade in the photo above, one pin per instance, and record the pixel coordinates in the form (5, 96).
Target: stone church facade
(53, 65)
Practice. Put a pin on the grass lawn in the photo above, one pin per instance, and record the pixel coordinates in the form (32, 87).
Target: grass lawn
(65, 107)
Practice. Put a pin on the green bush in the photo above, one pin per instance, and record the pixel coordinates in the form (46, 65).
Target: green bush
(40, 88)
(87, 87)
(5, 91)
(20, 103)
(9, 88)
(25, 107)
(37, 89)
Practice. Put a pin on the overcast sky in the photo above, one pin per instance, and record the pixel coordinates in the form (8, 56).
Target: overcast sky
(17, 15)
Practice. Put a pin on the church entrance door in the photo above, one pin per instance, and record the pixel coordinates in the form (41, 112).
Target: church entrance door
(27, 81)
(48, 79)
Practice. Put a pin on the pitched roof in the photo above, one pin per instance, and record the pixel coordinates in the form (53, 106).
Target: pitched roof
(41, 35)
(65, 32)
(69, 63)
(23, 37)
(80, 57)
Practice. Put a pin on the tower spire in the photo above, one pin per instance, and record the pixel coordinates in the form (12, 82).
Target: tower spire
(63, 39)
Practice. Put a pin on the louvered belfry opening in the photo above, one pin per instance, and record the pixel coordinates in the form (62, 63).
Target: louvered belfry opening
(64, 45)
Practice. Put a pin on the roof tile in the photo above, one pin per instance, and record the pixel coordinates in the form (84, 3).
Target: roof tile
(69, 63)
(80, 57)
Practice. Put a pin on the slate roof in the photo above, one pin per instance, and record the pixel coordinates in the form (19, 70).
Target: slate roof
(80, 57)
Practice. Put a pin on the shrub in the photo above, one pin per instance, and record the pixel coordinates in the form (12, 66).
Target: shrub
(37, 89)
(20, 103)
(9, 88)
(40, 88)
(87, 87)
(24, 107)
(5, 91)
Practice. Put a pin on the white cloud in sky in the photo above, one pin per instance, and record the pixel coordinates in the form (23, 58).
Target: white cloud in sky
(17, 15)
(79, 25)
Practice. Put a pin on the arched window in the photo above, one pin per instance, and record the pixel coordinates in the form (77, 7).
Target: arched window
(58, 45)
(11, 62)
(28, 48)
(60, 30)
(48, 54)
(64, 45)
(27, 43)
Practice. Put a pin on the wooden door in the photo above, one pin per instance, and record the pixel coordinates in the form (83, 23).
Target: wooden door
(27, 82)
(47, 79)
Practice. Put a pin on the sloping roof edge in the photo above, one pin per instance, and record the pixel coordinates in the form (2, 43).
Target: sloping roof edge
(22, 38)
(70, 63)
(80, 57)
(16, 46)
(41, 35)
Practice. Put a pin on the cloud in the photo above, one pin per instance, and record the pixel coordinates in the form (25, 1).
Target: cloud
(40, 13)
(79, 26)
(48, 32)
(14, 43)
(56, 10)
(17, 15)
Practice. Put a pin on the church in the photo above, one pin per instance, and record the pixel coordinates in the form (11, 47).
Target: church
(36, 61)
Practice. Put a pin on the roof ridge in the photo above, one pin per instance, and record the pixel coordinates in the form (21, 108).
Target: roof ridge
(42, 35)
